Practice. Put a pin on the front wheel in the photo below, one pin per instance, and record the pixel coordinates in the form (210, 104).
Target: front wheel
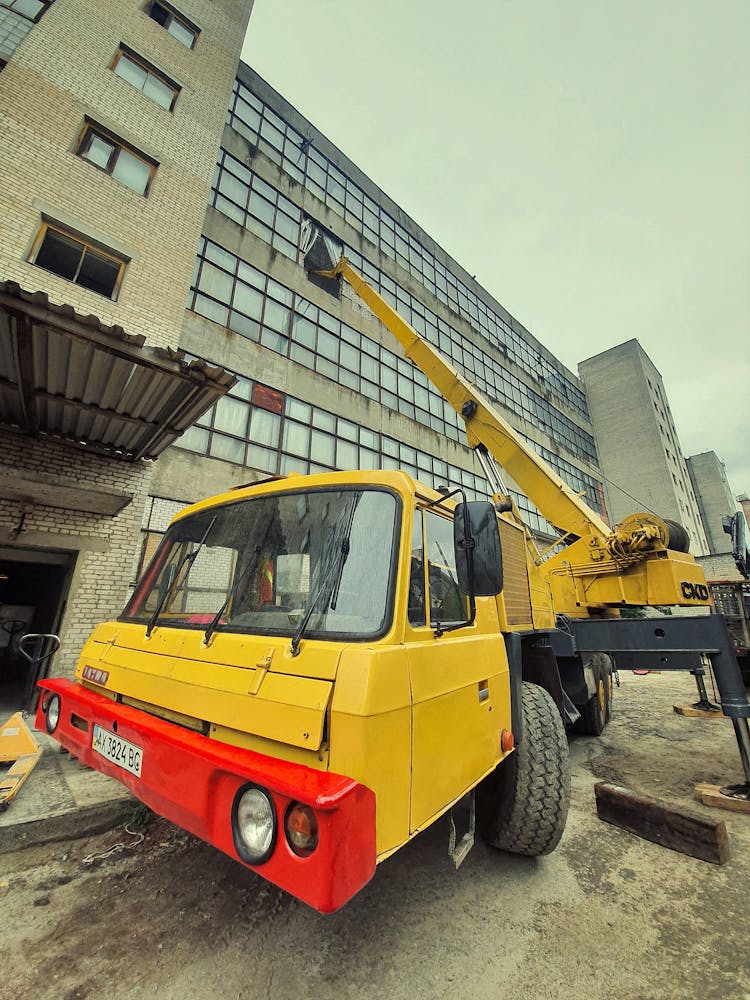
(523, 805)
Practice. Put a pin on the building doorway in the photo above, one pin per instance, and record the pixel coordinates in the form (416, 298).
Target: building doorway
(34, 587)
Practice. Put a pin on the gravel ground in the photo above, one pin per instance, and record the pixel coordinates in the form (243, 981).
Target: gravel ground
(607, 915)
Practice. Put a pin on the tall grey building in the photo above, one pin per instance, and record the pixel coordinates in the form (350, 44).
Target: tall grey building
(715, 498)
(639, 451)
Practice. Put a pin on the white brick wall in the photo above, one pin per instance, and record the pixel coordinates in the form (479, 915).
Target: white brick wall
(105, 546)
(60, 73)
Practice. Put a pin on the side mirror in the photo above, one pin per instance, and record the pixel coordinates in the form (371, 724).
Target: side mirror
(479, 557)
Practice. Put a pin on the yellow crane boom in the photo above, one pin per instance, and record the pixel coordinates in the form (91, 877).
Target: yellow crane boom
(639, 563)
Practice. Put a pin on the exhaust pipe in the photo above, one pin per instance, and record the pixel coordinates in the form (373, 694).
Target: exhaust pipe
(321, 252)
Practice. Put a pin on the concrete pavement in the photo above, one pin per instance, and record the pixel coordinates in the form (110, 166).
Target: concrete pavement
(60, 800)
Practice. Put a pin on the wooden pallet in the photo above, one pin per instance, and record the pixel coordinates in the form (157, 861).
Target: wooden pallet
(17, 745)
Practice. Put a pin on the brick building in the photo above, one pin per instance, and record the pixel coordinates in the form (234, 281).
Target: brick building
(110, 119)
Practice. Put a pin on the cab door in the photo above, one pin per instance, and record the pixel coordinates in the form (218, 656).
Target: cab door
(459, 680)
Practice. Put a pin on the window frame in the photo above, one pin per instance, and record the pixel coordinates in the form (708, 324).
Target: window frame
(138, 60)
(174, 15)
(93, 129)
(88, 245)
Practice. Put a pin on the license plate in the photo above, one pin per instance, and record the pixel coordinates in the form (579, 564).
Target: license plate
(117, 750)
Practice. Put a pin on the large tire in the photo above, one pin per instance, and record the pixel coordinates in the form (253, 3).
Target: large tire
(523, 805)
(596, 712)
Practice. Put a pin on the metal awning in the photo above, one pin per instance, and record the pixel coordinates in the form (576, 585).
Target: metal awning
(69, 376)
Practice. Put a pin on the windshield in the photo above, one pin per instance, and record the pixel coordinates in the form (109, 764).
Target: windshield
(325, 558)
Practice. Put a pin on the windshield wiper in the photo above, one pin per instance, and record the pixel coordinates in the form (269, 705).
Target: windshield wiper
(337, 552)
(251, 567)
(187, 559)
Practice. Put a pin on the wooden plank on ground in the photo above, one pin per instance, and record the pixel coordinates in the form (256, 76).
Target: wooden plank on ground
(693, 712)
(663, 823)
(710, 795)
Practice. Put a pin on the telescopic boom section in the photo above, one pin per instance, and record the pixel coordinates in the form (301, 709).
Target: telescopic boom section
(554, 499)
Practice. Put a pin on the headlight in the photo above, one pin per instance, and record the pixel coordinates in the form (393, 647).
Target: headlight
(253, 824)
(52, 713)
(301, 829)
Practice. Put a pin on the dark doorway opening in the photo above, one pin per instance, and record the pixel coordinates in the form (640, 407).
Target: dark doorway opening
(33, 589)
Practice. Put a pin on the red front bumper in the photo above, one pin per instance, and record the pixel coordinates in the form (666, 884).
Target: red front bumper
(192, 781)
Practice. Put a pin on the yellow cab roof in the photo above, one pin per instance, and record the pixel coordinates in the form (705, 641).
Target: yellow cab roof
(395, 479)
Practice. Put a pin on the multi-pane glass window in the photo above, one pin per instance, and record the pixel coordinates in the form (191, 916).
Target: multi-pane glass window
(17, 18)
(230, 291)
(261, 428)
(145, 77)
(109, 154)
(176, 24)
(72, 258)
(296, 155)
(233, 293)
(254, 204)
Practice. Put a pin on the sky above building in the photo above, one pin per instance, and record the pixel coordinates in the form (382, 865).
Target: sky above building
(588, 161)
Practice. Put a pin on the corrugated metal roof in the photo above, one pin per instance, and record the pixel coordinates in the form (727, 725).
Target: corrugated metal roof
(73, 377)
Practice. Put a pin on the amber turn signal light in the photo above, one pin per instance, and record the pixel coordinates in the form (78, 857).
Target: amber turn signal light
(301, 829)
(506, 740)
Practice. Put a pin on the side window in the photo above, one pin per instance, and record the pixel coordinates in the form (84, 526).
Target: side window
(437, 588)
(77, 260)
(447, 603)
(176, 24)
(417, 602)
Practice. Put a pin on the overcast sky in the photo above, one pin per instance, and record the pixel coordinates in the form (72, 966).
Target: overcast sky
(588, 160)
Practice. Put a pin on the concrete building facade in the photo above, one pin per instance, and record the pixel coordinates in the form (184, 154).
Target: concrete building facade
(639, 450)
(322, 385)
(110, 120)
(149, 171)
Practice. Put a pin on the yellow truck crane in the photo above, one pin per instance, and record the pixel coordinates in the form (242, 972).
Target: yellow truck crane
(596, 571)
(313, 669)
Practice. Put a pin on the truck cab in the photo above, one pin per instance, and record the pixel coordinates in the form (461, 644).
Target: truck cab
(310, 671)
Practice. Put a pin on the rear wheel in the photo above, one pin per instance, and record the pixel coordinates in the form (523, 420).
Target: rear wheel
(523, 805)
(596, 712)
